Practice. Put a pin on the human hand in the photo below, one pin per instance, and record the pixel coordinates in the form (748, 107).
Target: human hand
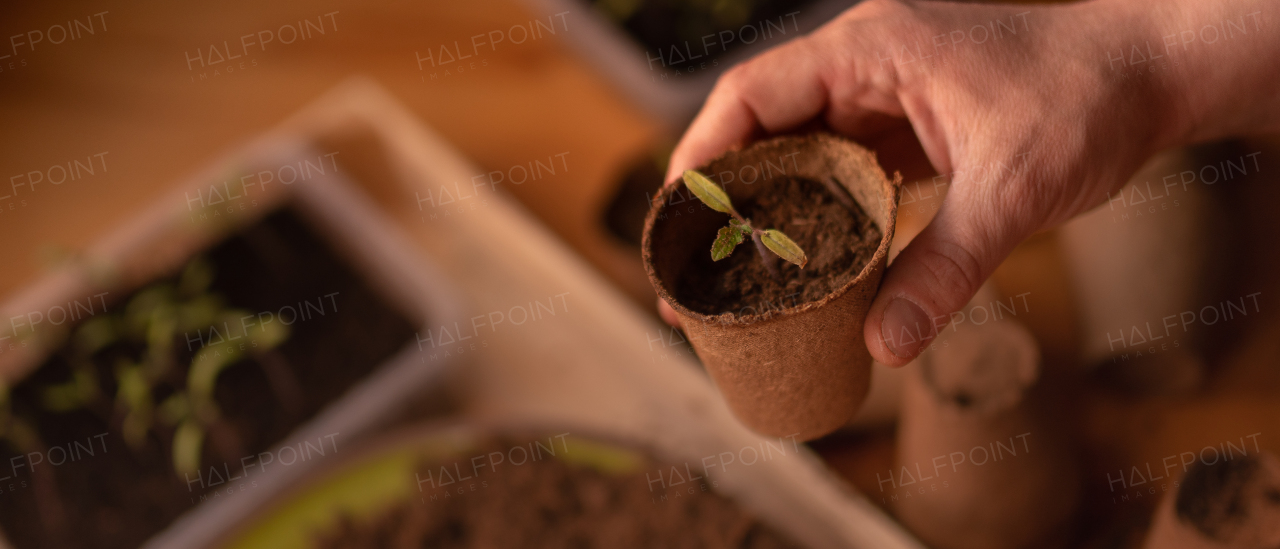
(1017, 105)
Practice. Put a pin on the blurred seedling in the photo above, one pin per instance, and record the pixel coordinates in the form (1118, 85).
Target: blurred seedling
(152, 321)
(739, 228)
(194, 410)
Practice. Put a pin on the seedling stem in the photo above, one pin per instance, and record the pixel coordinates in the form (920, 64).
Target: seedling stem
(739, 227)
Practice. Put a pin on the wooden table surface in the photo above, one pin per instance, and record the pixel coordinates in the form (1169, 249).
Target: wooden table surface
(127, 91)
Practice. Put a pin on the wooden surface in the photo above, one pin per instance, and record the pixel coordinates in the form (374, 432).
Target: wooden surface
(127, 90)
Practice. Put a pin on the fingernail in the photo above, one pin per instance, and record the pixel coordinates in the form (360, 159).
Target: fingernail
(905, 328)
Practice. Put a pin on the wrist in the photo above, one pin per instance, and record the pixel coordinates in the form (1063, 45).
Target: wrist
(1144, 78)
(1204, 67)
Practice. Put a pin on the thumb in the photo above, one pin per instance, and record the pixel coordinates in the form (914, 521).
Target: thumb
(942, 268)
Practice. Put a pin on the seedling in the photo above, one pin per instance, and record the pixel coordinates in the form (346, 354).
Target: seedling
(739, 228)
(151, 323)
(194, 410)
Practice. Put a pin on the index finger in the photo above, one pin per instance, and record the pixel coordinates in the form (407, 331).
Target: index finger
(778, 90)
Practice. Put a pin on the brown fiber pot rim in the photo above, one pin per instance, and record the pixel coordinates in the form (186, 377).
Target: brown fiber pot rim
(890, 187)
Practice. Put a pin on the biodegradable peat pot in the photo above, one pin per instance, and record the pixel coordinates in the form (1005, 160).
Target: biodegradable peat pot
(794, 367)
(1158, 247)
(1233, 504)
(979, 465)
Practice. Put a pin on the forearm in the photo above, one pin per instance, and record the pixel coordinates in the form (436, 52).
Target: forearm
(1215, 64)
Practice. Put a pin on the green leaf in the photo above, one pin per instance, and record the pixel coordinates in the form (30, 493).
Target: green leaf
(138, 313)
(231, 320)
(207, 364)
(708, 192)
(268, 335)
(175, 409)
(199, 312)
(605, 458)
(133, 389)
(187, 443)
(63, 397)
(726, 240)
(95, 334)
(196, 277)
(72, 395)
(161, 327)
(786, 248)
(133, 394)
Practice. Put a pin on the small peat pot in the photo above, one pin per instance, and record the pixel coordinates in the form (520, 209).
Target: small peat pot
(239, 332)
(979, 466)
(783, 343)
(1153, 251)
(468, 485)
(1231, 504)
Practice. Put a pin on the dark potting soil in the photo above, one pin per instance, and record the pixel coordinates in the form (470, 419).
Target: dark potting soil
(624, 216)
(839, 241)
(118, 497)
(552, 503)
(1212, 497)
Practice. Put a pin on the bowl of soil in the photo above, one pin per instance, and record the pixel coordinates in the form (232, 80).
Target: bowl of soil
(240, 331)
(783, 343)
(463, 484)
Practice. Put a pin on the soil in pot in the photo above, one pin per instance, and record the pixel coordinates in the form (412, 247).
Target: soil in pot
(1231, 503)
(554, 502)
(121, 495)
(837, 235)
